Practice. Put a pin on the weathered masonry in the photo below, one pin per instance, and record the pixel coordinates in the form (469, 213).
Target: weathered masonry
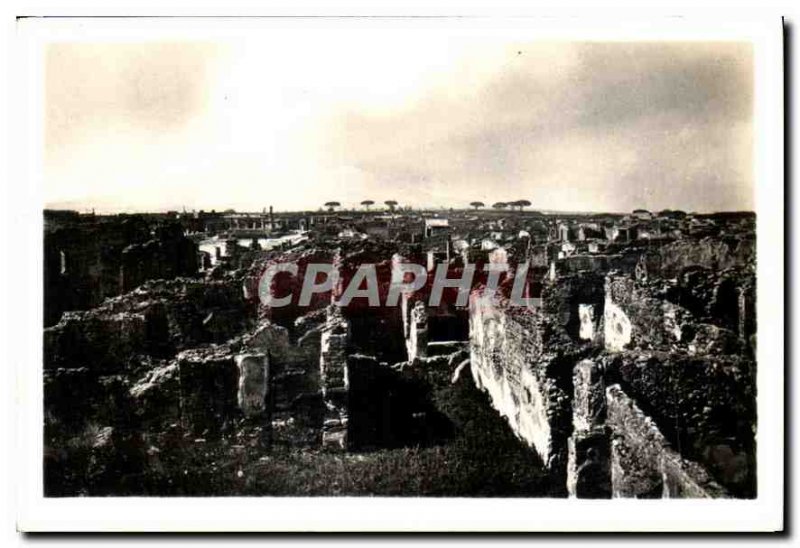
(626, 387)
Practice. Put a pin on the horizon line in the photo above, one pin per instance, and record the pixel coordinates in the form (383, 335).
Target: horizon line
(228, 210)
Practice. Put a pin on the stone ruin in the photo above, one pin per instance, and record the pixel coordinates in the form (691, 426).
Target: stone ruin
(633, 377)
(620, 389)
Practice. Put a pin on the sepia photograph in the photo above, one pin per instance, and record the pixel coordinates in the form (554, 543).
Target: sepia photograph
(330, 261)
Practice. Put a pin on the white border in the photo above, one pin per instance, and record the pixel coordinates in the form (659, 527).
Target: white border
(35, 513)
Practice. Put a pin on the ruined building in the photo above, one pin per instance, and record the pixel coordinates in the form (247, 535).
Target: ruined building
(630, 373)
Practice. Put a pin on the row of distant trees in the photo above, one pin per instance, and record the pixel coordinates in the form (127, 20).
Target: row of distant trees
(392, 204)
(503, 205)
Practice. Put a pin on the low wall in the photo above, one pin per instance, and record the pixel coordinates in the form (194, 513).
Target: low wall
(643, 464)
(703, 404)
(294, 364)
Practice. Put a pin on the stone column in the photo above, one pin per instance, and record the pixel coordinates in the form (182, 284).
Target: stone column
(417, 341)
(588, 470)
(253, 384)
(333, 375)
(253, 395)
(747, 321)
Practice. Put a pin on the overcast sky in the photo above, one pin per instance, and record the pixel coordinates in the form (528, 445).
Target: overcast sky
(293, 122)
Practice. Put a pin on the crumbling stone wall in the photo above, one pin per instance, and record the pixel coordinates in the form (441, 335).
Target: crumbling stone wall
(82, 264)
(686, 370)
(165, 258)
(206, 390)
(97, 340)
(209, 381)
(568, 302)
(617, 450)
(713, 253)
(688, 377)
(588, 469)
(286, 284)
(526, 383)
(156, 397)
(90, 260)
(645, 315)
(334, 379)
(140, 370)
(634, 316)
(293, 362)
(704, 405)
(159, 319)
(643, 464)
(624, 261)
(523, 357)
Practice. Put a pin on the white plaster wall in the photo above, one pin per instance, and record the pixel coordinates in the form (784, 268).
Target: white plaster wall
(252, 383)
(617, 330)
(586, 315)
(534, 427)
(498, 256)
(520, 400)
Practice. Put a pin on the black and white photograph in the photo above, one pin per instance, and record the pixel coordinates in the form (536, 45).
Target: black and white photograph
(341, 262)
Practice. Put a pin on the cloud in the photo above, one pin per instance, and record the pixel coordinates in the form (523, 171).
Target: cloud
(155, 87)
(617, 126)
(571, 126)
